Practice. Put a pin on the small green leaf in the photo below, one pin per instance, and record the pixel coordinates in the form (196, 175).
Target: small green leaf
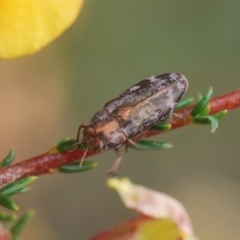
(161, 127)
(221, 114)
(213, 121)
(150, 145)
(199, 97)
(8, 159)
(205, 112)
(184, 103)
(202, 103)
(214, 124)
(7, 202)
(74, 167)
(67, 144)
(21, 223)
(7, 217)
(25, 190)
(17, 186)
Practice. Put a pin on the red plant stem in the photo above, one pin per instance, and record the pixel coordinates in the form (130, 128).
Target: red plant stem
(183, 117)
(50, 161)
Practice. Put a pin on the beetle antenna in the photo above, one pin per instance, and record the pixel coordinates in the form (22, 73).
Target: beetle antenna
(78, 142)
(74, 146)
(83, 156)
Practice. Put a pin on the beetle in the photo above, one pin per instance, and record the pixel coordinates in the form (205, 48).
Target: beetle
(146, 103)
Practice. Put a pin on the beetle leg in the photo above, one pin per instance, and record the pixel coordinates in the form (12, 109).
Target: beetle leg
(114, 167)
(78, 142)
(83, 125)
(126, 146)
(132, 142)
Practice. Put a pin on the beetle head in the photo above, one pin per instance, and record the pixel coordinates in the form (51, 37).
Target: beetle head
(91, 140)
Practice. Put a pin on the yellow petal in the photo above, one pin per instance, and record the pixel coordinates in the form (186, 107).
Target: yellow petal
(142, 229)
(26, 26)
(163, 229)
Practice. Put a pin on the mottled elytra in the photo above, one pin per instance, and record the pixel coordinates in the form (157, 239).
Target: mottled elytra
(146, 103)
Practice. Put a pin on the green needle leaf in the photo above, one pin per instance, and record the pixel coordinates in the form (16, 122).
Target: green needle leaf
(74, 167)
(25, 190)
(17, 186)
(184, 103)
(220, 114)
(213, 121)
(21, 223)
(214, 124)
(146, 145)
(7, 202)
(161, 127)
(8, 159)
(202, 103)
(7, 217)
(67, 144)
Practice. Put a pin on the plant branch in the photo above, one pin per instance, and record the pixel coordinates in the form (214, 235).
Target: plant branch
(183, 117)
(50, 161)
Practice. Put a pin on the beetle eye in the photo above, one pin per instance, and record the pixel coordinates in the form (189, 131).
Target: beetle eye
(92, 141)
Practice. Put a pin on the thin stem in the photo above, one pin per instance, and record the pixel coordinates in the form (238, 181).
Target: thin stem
(183, 117)
(50, 161)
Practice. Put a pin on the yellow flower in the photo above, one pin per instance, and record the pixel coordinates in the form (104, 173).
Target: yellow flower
(161, 216)
(26, 26)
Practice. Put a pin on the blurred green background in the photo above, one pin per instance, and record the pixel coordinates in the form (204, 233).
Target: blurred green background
(46, 96)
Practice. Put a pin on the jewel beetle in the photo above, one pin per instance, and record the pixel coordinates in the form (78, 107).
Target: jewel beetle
(141, 106)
